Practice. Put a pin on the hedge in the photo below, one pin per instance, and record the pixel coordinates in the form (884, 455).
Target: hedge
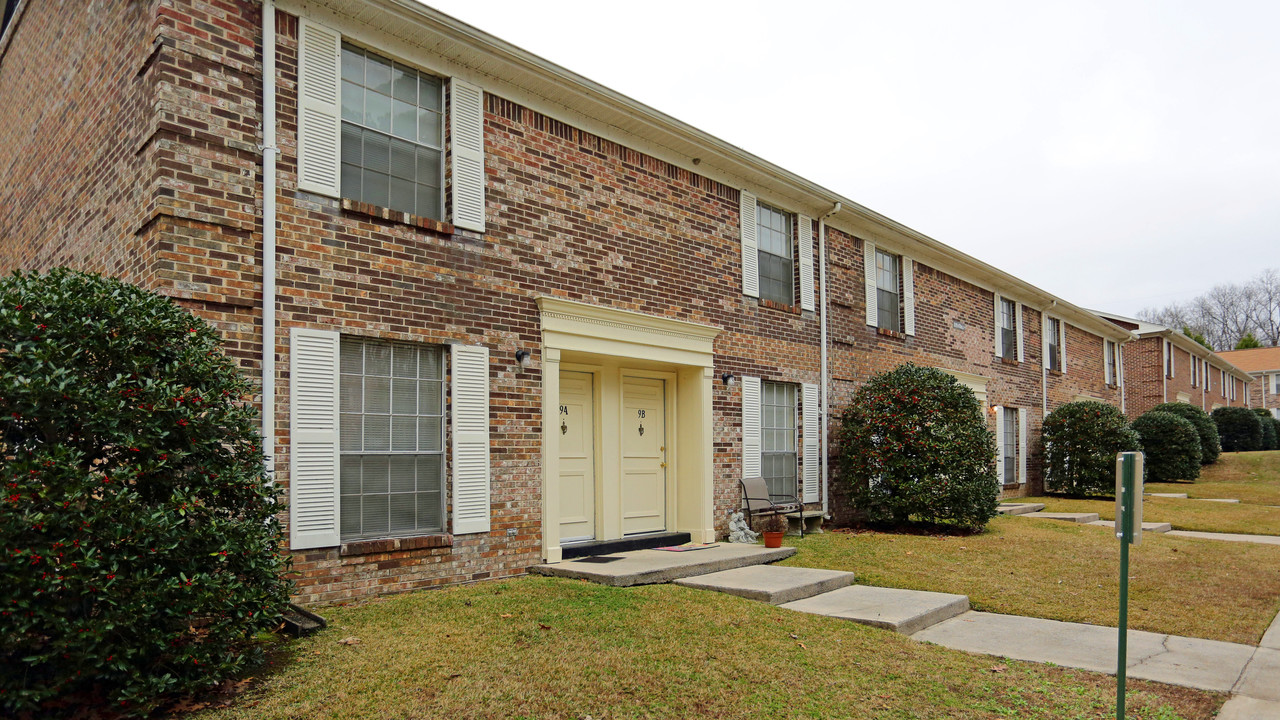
(1170, 444)
(1239, 428)
(1080, 442)
(1210, 444)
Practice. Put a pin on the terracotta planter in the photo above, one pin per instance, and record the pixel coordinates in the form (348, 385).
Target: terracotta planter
(773, 539)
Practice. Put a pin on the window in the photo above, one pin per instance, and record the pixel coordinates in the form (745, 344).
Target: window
(887, 292)
(392, 134)
(1195, 375)
(1054, 350)
(773, 236)
(1168, 358)
(1010, 446)
(392, 439)
(1008, 329)
(778, 463)
(1208, 376)
(1113, 376)
(1276, 379)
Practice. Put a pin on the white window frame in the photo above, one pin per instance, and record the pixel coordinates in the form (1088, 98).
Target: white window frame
(766, 427)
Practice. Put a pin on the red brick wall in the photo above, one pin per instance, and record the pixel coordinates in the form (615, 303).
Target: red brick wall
(1144, 376)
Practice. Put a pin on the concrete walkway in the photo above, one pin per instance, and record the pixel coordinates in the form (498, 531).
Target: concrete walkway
(1229, 537)
(1163, 528)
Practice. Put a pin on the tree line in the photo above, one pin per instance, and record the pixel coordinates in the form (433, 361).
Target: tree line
(1230, 316)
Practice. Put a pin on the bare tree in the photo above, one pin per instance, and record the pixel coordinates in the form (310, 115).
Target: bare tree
(1266, 288)
(1228, 312)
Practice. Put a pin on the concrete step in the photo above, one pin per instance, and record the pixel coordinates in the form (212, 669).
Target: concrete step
(770, 583)
(1240, 707)
(1019, 508)
(648, 567)
(1169, 495)
(1153, 527)
(1221, 500)
(904, 611)
(1067, 516)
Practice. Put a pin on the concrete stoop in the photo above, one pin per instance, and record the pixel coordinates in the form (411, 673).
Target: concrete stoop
(904, 611)
(1153, 527)
(1019, 508)
(649, 567)
(771, 584)
(1067, 516)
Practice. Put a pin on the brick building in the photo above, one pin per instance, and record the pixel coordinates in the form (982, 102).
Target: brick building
(1164, 365)
(1263, 366)
(512, 314)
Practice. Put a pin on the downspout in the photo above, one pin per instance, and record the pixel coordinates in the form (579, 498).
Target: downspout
(822, 300)
(269, 152)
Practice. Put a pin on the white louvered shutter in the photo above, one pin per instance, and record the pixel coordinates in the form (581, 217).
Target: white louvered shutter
(470, 438)
(750, 427)
(1062, 344)
(466, 132)
(1017, 328)
(319, 109)
(1106, 366)
(806, 263)
(869, 267)
(750, 258)
(812, 430)
(999, 445)
(1022, 446)
(908, 296)
(1044, 340)
(313, 437)
(996, 314)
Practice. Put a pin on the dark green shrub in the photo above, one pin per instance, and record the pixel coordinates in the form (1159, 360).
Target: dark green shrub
(140, 548)
(1210, 444)
(1081, 440)
(1239, 428)
(1270, 440)
(1170, 444)
(914, 445)
(1275, 425)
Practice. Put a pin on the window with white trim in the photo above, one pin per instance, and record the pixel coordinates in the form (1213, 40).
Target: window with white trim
(392, 134)
(391, 413)
(1010, 445)
(1195, 375)
(888, 289)
(1168, 359)
(1008, 329)
(1276, 388)
(1054, 343)
(776, 259)
(1113, 364)
(778, 460)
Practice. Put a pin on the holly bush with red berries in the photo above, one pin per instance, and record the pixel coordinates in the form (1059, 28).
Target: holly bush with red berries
(141, 549)
(914, 447)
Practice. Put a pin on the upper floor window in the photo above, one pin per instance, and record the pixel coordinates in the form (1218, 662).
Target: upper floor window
(773, 235)
(887, 292)
(1053, 344)
(1111, 356)
(1008, 329)
(1276, 379)
(392, 134)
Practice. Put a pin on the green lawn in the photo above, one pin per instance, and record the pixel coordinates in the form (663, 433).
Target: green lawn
(1252, 478)
(547, 648)
(1182, 514)
(1063, 571)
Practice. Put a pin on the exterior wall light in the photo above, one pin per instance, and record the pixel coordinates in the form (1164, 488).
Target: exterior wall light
(728, 379)
(524, 359)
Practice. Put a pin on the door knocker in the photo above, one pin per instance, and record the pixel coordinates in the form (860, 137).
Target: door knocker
(564, 427)
(641, 429)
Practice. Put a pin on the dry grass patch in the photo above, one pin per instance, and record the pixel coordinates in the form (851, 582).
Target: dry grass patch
(1062, 571)
(548, 648)
(1183, 514)
(1252, 478)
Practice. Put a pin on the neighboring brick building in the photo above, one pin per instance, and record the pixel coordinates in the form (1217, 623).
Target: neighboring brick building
(1164, 365)
(511, 312)
(1263, 366)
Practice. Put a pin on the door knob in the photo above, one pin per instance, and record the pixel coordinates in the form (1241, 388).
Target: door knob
(662, 464)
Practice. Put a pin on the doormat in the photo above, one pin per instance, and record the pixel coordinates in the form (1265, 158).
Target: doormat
(685, 548)
(599, 559)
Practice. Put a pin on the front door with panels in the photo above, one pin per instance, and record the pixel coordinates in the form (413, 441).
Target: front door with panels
(644, 455)
(577, 457)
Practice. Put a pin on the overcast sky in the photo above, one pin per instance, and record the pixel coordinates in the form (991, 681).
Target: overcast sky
(1118, 154)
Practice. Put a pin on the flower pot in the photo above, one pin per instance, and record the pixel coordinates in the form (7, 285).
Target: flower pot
(773, 539)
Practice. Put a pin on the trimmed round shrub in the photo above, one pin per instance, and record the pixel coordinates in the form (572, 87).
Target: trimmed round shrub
(1239, 428)
(1081, 440)
(914, 446)
(1270, 439)
(1210, 444)
(1170, 444)
(141, 552)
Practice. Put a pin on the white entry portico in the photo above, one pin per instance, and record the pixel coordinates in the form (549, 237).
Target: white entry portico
(627, 425)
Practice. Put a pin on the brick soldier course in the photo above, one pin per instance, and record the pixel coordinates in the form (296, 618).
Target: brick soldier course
(142, 158)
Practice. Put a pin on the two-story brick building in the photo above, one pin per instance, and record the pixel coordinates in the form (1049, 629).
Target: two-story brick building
(510, 314)
(1263, 366)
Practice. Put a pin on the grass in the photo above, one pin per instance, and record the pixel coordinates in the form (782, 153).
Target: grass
(547, 648)
(1252, 478)
(1063, 571)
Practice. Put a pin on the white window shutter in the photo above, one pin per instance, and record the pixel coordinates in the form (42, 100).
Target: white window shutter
(812, 430)
(1017, 328)
(313, 438)
(470, 438)
(869, 266)
(1044, 340)
(750, 427)
(1062, 344)
(750, 260)
(999, 445)
(319, 109)
(1022, 446)
(996, 315)
(908, 296)
(466, 133)
(806, 262)
(1106, 366)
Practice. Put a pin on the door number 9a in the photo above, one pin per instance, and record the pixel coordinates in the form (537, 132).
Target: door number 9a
(564, 409)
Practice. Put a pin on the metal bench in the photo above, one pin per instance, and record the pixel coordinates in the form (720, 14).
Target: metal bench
(757, 501)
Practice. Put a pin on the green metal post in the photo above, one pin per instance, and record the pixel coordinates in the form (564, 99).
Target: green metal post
(1125, 531)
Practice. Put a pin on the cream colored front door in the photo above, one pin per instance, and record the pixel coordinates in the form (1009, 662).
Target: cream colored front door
(576, 425)
(644, 455)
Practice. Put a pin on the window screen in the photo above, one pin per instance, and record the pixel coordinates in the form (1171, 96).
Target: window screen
(1008, 329)
(1010, 458)
(773, 237)
(887, 292)
(392, 439)
(778, 463)
(1055, 346)
(392, 134)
